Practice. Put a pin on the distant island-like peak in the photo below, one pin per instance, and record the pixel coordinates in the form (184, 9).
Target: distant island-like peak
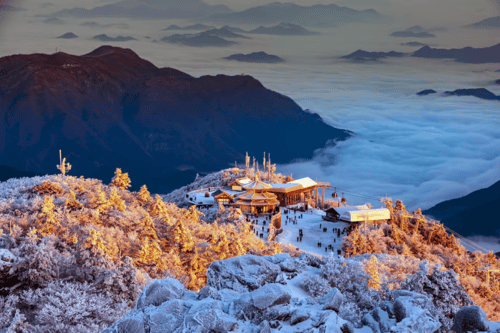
(257, 57)
(68, 35)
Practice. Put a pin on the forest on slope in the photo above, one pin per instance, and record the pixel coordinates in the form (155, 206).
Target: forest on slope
(75, 253)
(410, 235)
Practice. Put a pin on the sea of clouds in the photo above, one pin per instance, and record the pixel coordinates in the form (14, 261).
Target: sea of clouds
(422, 150)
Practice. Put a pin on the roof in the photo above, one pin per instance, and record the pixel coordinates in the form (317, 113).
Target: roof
(251, 195)
(223, 194)
(241, 181)
(342, 210)
(289, 187)
(363, 214)
(305, 182)
(257, 185)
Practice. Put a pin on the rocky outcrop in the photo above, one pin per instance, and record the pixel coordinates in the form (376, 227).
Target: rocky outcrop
(259, 305)
(244, 273)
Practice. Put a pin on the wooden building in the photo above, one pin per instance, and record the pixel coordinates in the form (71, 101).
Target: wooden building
(254, 202)
(223, 197)
(295, 191)
(239, 183)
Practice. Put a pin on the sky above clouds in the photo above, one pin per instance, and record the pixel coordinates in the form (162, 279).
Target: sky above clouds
(421, 149)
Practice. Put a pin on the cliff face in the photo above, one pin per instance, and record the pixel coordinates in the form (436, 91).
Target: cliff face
(110, 108)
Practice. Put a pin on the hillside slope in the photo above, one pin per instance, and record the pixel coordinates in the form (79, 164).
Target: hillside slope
(110, 109)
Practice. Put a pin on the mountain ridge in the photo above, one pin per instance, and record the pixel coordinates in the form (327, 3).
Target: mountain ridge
(110, 107)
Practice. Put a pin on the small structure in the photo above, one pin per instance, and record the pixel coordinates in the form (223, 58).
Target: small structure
(238, 184)
(222, 197)
(356, 214)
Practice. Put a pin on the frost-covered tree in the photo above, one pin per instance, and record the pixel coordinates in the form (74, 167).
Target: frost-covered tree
(121, 180)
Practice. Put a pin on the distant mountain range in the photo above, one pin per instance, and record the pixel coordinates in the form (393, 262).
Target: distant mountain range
(257, 57)
(54, 20)
(364, 56)
(414, 44)
(491, 22)
(201, 40)
(466, 55)
(415, 31)
(283, 29)
(94, 24)
(482, 93)
(110, 108)
(225, 33)
(106, 38)
(473, 214)
(197, 26)
(147, 9)
(310, 16)
(68, 35)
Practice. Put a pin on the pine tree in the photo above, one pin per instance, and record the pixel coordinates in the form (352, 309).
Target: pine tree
(72, 202)
(148, 227)
(159, 208)
(143, 196)
(182, 237)
(116, 201)
(121, 180)
(372, 270)
(99, 201)
(47, 216)
(405, 250)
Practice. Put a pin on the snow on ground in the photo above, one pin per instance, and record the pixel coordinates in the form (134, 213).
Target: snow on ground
(310, 225)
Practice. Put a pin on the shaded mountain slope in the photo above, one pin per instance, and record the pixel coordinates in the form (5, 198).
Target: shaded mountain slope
(475, 213)
(111, 108)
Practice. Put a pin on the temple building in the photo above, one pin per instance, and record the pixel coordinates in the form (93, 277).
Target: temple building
(257, 199)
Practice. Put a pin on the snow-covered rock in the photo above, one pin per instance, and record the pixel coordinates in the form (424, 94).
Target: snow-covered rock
(334, 300)
(298, 316)
(242, 296)
(209, 292)
(404, 305)
(160, 291)
(470, 318)
(244, 273)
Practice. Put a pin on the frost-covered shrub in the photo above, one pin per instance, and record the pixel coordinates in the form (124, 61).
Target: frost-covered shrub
(8, 306)
(442, 287)
(315, 285)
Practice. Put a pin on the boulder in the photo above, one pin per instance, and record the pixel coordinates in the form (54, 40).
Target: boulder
(288, 265)
(347, 327)
(470, 318)
(311, 260)
(228, 295)
(419, 320)
(133, 322)
(278, 312)
(403, 306)
(243, 273)
(382, 318)
(320, 317)
(160, 291)
(207, 316)
(252, 305)
(265, 327)
(388, 307)
(369, 321)
(299, 315)
(278, 258)
(334, 300)
(167, 317)
(209, 292)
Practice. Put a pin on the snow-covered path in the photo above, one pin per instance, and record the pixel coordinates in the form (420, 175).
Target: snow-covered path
(310, 224)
